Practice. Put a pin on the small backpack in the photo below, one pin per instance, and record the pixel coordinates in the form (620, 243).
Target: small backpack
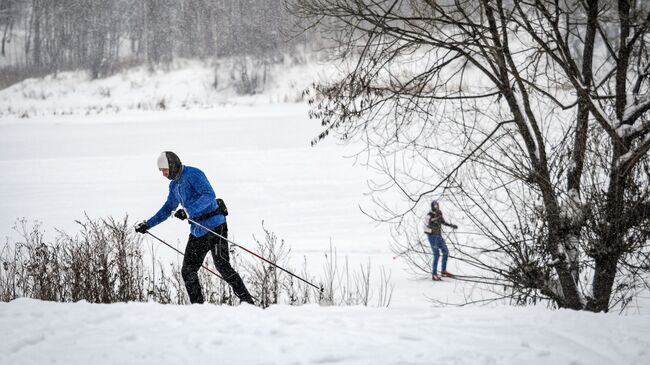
(222, 209)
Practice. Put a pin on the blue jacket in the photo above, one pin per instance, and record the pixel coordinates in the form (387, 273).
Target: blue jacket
(193, 191)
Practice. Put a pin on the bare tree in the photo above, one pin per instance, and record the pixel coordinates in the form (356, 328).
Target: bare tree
(8, 15)
(544, 107)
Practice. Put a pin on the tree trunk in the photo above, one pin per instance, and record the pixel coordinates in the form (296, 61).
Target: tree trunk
(36, 56)
(604, 275)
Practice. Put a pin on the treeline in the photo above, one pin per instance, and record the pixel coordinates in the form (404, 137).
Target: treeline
(98, 35)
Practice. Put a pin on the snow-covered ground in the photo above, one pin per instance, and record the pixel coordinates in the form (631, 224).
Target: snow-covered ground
(66, 157)
(185, 84)
(136, 333)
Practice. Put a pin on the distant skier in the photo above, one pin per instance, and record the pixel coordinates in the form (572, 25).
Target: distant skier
(434, 223)
(190, 188)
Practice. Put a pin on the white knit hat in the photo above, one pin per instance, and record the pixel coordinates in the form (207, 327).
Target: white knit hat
(163, 163)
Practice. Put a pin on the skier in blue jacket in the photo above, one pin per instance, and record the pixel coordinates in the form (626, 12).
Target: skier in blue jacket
(190, 188)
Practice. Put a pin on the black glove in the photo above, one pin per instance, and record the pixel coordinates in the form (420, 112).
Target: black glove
(142, 227)
(180, 214)
(453, 226)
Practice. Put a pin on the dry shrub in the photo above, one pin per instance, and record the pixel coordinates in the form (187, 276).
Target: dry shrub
(103, 263)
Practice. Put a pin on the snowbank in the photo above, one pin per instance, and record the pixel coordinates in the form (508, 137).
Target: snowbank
(36, 332)
(184, 84)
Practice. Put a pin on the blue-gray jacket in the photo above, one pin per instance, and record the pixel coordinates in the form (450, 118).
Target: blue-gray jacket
(193, 191)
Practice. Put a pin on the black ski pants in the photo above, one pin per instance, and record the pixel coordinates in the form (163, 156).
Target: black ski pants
(195, 251)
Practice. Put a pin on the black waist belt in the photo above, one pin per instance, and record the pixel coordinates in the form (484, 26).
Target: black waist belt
(221, 210)
(205, 216)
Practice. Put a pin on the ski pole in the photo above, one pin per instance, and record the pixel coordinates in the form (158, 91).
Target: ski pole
(254, 254)
(174, 248)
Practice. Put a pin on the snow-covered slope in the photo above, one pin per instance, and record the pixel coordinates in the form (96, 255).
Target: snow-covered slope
(184, 84)
(47, 333)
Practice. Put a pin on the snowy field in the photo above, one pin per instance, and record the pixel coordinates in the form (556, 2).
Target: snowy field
(256, 154)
